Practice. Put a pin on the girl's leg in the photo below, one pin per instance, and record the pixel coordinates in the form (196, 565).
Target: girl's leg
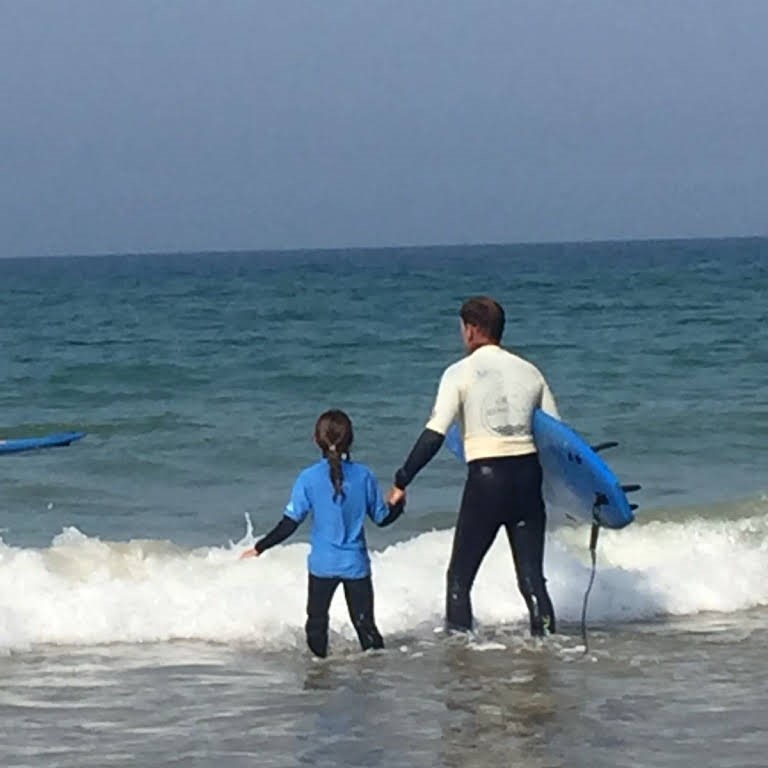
(359, 594)
(320, 594)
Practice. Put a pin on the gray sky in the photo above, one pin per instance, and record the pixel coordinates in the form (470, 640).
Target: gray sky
(188, 125)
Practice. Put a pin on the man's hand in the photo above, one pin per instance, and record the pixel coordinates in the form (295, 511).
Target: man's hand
(396, 495)
(252, 552)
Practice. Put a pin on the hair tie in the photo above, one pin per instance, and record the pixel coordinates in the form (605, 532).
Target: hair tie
(331, 449)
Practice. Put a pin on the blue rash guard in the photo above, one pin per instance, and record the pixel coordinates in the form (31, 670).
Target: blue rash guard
(338, 534)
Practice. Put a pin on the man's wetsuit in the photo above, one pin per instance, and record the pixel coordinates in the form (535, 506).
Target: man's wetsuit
(338, 553)
(493, 394)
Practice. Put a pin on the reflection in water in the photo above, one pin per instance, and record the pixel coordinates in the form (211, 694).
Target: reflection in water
(355, 716)
(454, 704)
(502, 708)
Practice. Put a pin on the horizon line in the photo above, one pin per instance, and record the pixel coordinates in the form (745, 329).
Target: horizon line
(340, 248)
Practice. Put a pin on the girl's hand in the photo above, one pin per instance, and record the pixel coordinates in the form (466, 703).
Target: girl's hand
(252, 552)
(396, 495)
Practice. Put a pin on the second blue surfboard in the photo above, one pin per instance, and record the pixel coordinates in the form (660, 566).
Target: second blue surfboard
(34, 443)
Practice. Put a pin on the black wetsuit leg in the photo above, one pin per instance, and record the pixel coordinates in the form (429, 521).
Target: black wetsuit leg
(503, 491)
(359, 595)
(320, 594)
(476, 529)
(525, 531)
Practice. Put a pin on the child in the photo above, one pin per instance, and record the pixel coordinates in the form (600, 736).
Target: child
(339, 493)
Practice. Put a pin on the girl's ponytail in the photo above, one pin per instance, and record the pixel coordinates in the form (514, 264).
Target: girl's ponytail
(334, 436)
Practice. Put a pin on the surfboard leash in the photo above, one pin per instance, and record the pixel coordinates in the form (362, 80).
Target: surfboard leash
(593, 536)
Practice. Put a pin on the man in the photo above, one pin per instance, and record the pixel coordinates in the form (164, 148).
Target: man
(493, 394)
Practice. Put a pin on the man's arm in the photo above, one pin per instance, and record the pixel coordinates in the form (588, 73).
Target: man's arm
(421, 454)
(447, 404)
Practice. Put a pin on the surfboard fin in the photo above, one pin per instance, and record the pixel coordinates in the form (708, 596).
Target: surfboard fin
(630, 488)
(633, 507)
(603, 446)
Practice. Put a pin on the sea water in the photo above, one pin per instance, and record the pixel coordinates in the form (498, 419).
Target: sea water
(131, 634)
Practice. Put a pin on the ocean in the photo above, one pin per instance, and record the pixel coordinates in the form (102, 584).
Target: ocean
(131, 634)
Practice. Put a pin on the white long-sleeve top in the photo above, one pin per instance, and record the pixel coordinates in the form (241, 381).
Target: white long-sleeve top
(493, 394)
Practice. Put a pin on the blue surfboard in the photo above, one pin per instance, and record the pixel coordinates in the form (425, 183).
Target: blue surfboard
(578, 485)
(34, 443)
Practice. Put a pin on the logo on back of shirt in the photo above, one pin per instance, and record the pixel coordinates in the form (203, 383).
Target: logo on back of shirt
(497, 417)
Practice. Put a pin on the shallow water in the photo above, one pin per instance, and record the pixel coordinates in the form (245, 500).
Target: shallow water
(647, 694)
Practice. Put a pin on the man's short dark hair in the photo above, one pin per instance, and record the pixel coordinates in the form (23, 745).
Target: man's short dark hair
(485, 314)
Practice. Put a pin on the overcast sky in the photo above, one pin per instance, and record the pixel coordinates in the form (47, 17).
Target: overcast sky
(187, 125)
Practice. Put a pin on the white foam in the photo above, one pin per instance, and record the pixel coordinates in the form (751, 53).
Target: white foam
(84, 591)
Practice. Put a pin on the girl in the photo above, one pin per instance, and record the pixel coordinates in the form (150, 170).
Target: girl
(339, 493)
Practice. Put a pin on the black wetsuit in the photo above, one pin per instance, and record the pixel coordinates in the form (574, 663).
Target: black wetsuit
(506, 492)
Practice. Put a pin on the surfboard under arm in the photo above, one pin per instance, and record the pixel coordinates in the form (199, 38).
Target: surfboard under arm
(578, 485)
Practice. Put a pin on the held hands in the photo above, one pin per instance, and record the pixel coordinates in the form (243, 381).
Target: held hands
(396, 495)
(252, 552)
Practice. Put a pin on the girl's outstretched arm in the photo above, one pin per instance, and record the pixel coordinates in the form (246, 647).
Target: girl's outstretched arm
(295, 512)
(278, 534)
